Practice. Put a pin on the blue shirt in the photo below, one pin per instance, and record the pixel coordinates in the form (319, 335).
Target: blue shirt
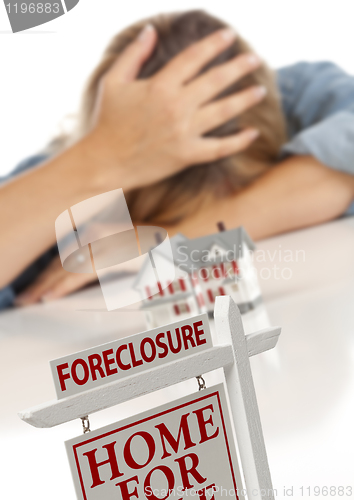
(318, 104)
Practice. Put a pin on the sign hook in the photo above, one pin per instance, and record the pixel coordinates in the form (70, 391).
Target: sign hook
(201, 382)
(85, 424)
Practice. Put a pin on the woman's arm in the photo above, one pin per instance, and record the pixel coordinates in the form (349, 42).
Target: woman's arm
(144, 130)
(297, 193)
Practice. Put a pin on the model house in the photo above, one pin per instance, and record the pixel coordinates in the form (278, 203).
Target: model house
(217, 264)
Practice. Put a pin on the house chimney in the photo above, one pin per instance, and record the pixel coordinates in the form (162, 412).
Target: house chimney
(221, 226)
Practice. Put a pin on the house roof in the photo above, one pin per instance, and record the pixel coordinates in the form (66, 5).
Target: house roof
(192, 254)
(195, 252)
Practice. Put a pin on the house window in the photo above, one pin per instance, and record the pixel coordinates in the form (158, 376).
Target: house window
(204, 274)
(181, 308)
(182, 284)
(228, 271)
(148, 292)
(179, 286)
(176, 287)
(216, 272)
(215, 293)
(235, 267)
(194, 280)
(210, 295)
(184, 307)
(160, 288)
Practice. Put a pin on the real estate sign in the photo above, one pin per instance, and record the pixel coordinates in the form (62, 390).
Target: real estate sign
(118, 359)
(179, 450)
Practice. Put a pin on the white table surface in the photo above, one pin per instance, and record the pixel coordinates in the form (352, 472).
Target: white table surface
(305, 387)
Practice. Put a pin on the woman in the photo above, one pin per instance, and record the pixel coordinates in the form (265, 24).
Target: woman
(248, 186)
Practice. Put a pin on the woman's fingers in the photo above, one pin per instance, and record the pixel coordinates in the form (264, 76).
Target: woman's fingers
(45, 281)
(211, 149)
(188, 63)
(128, 64)
(53, 283)
(219, 112)
(68, 284)
(213, 82)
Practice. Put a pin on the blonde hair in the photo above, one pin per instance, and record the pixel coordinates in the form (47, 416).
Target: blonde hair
(172, 199)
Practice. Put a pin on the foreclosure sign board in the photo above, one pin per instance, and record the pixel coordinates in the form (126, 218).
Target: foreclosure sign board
(108, 362)
(174, 451)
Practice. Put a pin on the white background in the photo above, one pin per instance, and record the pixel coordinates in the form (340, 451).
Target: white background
(43, 70)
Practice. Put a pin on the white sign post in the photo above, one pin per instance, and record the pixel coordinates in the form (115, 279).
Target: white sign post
(174, 444)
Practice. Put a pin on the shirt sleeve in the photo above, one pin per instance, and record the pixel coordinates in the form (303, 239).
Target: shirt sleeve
(318, 103)
(24, 165)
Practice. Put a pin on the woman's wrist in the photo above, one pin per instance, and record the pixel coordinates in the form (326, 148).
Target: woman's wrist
(100, 167)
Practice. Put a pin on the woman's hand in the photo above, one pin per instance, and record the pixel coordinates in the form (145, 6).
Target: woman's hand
(54, 282)
(146, 130)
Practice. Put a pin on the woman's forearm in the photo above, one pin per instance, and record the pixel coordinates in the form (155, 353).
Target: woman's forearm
(30, 203)
(297, 193)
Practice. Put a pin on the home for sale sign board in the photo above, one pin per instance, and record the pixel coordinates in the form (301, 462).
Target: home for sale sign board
(177, 451)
